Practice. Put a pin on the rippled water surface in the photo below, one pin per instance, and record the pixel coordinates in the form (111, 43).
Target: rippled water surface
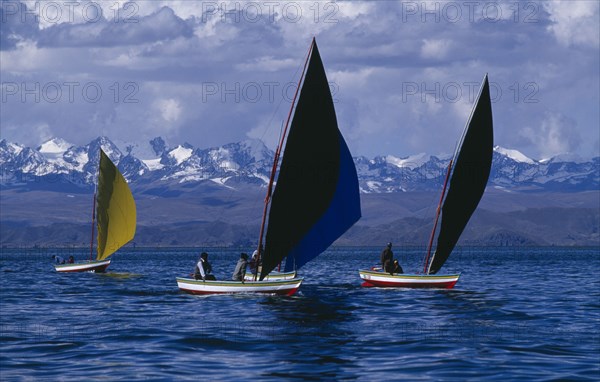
(514, 314)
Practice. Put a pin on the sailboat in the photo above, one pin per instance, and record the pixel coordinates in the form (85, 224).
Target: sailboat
(316, 197)
(467, 173)
(114, 208)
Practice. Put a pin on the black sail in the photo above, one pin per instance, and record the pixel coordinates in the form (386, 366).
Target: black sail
(316, 198)
(469, 178)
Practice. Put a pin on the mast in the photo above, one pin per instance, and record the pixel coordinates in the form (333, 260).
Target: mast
(93, 221)
(94, 207)
(276, 160)
(437, 217)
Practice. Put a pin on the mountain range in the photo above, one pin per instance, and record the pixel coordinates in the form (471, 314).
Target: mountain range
(188, 196)
(249, 162)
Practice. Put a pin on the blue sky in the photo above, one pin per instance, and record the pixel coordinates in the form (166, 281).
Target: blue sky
(403, 74)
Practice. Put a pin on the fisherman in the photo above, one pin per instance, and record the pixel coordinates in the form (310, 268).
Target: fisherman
(387, 258)
(203, 268)
(71, 260)
(240, 268)
(58, 259)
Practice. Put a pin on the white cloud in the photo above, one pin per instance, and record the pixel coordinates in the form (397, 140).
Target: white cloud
(355, 79)
(43, 132)
(462, 109)
(26, 57)
(575, 22)
(371, 50)
(265, 132)
(555, 135)
(169, 109)
(434, 48)
(267, 64)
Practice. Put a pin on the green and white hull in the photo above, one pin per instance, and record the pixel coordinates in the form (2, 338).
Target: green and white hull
(279, 287)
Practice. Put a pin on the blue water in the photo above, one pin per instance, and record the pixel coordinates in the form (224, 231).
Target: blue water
(515, 314)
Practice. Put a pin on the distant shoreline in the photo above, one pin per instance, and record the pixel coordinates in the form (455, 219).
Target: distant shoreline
(334, 248)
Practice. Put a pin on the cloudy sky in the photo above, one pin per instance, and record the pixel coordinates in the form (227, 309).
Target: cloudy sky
(403, 74)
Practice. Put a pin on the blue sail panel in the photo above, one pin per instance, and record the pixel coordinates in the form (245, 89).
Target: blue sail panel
(343, 212)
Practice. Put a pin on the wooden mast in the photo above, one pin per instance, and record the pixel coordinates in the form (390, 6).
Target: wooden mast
(276, 161)
(437, 217)
(93, 221)
(94, 205)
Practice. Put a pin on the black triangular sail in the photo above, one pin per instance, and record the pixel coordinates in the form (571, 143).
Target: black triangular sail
(317, 196)
(469, 178)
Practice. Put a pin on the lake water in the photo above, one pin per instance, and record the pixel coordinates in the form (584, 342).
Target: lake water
(515, 314)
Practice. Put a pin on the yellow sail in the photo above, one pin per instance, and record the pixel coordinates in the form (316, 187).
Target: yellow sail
(115, 209)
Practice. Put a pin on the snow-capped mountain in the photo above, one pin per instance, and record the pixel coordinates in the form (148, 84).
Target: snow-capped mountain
(250, 162)
(515, 155)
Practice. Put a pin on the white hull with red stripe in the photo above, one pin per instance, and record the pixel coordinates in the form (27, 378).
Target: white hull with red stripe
(373, 278)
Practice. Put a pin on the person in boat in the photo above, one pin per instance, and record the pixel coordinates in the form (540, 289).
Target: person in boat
(253, 263)
(240, 268)
(203, 268)
(396, 268)
(71, 260)
(387, 258)
(58, 259)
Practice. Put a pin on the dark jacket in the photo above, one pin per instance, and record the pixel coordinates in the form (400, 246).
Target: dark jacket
(387, 257)
(202, 270)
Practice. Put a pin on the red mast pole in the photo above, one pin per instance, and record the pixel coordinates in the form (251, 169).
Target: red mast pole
(437, 216)
(276, 160)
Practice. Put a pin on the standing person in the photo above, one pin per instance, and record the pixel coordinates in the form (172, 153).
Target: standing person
(387, 258)
(203, 268)
(240, 268)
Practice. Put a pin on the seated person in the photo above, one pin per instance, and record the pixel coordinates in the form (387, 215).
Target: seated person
(396, 268)
(240, 268)
(203, 268)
